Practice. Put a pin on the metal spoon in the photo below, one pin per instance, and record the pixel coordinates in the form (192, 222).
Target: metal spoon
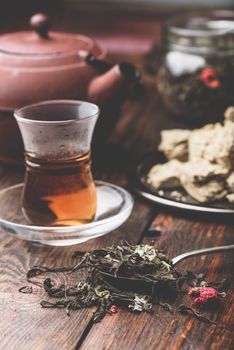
(138, 285)
(204, 251)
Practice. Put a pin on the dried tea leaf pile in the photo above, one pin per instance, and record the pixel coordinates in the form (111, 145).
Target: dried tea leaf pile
(201, 94)
(133, 262)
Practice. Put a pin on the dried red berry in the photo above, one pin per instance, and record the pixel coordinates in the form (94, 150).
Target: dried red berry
(113, 309)
(202, 295)
(210, 79)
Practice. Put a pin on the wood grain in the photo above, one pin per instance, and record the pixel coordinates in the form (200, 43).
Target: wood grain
(25, 325)
(161, 330)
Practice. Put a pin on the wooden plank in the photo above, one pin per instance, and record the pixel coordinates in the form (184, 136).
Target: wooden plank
(161, 330)
(24, 323)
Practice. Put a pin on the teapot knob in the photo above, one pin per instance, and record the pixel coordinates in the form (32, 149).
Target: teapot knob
(40, 22)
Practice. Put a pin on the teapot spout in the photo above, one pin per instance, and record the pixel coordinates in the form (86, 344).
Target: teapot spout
(113, 84)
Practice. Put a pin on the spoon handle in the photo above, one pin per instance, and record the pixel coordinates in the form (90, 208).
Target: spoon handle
(204, 251)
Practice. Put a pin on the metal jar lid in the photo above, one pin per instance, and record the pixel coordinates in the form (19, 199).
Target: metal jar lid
(205, 34)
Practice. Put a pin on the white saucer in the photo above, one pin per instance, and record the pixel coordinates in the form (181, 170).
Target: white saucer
(114, 205)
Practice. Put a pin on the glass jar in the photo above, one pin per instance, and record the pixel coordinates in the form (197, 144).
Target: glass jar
(196, 74)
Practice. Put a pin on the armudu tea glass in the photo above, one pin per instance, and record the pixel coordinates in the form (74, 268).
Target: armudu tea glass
(58, 188)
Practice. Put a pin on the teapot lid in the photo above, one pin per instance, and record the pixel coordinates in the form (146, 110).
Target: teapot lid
(59, 48)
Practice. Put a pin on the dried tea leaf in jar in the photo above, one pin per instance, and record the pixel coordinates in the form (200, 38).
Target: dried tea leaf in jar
(196, 77)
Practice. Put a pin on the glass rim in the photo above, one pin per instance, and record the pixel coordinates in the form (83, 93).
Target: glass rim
(51, 103)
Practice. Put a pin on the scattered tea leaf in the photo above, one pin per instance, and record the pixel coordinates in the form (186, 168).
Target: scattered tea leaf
(136, 263)
(187, 310)
(26, 290)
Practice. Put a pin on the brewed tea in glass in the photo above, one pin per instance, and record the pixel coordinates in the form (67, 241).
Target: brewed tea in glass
(58, 188)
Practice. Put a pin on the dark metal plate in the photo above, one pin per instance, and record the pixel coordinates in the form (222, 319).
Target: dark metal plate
(182, 200)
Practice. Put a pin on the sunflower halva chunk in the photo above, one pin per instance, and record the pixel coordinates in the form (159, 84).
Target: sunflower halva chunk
(230, 197)
(174, 144)
(205, 192)
(201, 161)
(163, 176)
(213, 143)
(229, 114)
(230, 182)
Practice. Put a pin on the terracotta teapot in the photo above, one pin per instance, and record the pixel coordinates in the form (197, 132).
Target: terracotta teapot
(43, 65)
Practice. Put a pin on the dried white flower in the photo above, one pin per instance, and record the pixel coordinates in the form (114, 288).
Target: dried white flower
(146, 252)
(140, 303)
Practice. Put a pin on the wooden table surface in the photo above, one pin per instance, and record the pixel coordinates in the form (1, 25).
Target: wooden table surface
(25, 325)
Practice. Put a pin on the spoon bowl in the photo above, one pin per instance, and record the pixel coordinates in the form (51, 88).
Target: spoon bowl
(141, 286)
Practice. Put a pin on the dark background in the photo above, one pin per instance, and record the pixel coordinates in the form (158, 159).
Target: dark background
(15, 12)
(121, 26)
